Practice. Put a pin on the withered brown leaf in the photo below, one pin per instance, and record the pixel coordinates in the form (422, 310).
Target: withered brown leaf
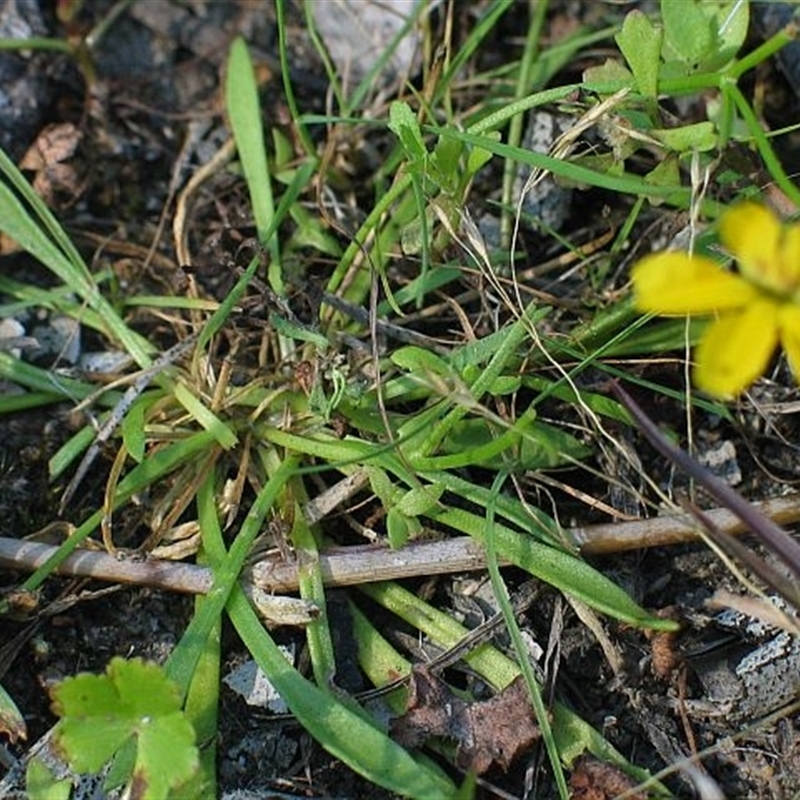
(596, 780)
(486, 732)
(50, 157)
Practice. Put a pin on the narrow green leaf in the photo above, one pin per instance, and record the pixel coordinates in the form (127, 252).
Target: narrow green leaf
(17, 222)
(417, 360)
(343, 733)
(420, 500)
(244, 114)
(133, 429)
(403, 123)
(202, 698)
(479, 351)
(311, 586)
(70, 450)
(43, 380)
(183, 660)
(625, 183)
(563, 570)
(205, 417)
(298, 332)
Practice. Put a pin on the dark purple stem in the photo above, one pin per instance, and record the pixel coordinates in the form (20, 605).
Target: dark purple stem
(771, 535)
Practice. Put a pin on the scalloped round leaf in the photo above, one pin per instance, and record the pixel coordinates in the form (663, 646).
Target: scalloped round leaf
(99, 713)
(640, 43)
(167, 756)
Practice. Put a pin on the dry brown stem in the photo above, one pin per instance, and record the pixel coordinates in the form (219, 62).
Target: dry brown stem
(353, 565)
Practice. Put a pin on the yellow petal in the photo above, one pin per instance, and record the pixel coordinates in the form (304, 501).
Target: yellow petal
(677, 283)
(736, 349)
(767, 251)
(789, 322)
(790, 256)
(752, 234)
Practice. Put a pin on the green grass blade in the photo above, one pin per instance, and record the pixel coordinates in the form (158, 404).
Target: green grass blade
(563, 570)
(61, 257)
(573, 735)
(42, 381)
(318, 634)
(183, 660)
(244, 114)
(343, 733)
(205, 417)
(625, 183)
(202, 699)
(504, 602)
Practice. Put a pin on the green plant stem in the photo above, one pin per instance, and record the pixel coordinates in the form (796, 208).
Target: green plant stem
(504, 602)
(538, 14)
(771, 161)
(764, 51)
(202, 699)
(286, 75)
(183, 661)
(40, 43)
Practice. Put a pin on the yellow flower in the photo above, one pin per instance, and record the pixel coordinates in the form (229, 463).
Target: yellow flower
(756, 308)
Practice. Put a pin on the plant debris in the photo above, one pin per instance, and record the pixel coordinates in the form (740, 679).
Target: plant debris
(595, 780)
(487, 732)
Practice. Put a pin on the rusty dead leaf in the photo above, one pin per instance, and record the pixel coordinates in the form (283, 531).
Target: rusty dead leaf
(48, 157)
(663, 646)
(592, 779)
(494, 731)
